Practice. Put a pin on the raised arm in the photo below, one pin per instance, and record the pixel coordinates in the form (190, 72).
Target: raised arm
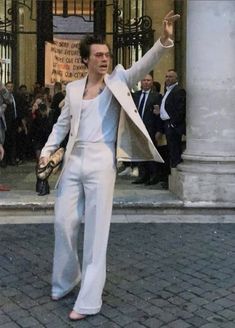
(143, 66)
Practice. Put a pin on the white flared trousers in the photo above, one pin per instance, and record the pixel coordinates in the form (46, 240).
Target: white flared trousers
(86, 188)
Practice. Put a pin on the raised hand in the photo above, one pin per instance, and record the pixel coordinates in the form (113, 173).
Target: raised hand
(168, 24)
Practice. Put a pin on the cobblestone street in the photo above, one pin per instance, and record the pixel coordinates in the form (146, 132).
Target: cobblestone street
(159, 275)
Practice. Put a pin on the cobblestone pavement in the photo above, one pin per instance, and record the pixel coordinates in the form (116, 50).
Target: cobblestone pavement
(159, 275)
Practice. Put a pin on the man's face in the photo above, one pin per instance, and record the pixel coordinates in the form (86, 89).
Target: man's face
(10, 87)
(171, 78)
(147, 83)
(99, 59)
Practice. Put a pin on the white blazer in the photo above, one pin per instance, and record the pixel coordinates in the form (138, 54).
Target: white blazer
(133, 140)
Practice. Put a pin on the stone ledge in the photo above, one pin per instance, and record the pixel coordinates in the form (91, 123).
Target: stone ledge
(130, 218)
(141, 203)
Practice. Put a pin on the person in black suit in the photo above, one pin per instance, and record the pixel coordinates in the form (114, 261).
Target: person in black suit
(3, 96)
(15, 114)
(4, 99)
(172, 112)
(145, 100)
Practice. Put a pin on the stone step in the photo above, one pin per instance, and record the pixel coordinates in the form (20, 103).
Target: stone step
(24, 206)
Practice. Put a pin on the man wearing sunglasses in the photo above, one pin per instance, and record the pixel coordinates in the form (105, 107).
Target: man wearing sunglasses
(104, 125)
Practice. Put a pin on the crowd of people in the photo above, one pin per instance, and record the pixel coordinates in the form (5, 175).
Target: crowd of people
(26, 120)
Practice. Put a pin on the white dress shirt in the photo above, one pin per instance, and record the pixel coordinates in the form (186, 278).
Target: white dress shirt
(163, 114)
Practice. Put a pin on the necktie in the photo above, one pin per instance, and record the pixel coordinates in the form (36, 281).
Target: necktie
(14, 106)
(141, 105)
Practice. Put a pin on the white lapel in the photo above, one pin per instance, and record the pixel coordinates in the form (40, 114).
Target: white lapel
(76, 95)
(123, 95)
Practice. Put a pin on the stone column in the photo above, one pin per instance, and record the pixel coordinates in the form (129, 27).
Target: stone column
(207, 173)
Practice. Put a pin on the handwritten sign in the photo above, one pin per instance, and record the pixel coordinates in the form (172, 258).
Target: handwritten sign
(63, 62)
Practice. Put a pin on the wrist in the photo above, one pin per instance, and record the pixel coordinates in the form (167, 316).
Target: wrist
(165, 40)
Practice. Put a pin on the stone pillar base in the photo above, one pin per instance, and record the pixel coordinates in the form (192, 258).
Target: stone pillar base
(207, 183)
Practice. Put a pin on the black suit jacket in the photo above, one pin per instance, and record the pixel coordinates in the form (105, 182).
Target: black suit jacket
(152, 122)
(21, 110)
(56, 110)
(175, 106)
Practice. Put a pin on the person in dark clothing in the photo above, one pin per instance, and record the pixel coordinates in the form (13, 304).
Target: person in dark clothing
(39, 132)
(15, 117)
(173, 112)
(23, 146)
(145, 100)
(4, 99)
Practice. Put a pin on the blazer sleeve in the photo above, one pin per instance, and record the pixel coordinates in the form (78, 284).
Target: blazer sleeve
(143, 66)
(59, 131)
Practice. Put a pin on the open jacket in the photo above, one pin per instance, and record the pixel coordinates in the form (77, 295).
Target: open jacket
(175, 106)
(133, 140)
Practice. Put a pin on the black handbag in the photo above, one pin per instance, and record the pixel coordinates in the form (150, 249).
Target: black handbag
(42, 187)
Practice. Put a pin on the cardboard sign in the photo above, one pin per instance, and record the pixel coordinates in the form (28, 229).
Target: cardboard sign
(63, 62)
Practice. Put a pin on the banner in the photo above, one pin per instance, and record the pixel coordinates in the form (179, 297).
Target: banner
(63, 62)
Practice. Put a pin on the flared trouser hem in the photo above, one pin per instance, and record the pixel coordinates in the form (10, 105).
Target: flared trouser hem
(67, 291)
(88, 311)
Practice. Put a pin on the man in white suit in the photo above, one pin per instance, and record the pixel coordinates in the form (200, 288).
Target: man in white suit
(104, 125)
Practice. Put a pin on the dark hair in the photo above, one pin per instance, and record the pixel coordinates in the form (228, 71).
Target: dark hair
(85, 46)
(22, 86)
(42, 108)
(157, 86)
(41, 111)
(58, 85)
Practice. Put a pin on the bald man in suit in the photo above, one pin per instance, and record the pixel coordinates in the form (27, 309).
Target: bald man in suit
(173, 112)
(145, 100)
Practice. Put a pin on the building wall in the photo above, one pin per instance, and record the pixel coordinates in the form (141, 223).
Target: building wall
(157, 10)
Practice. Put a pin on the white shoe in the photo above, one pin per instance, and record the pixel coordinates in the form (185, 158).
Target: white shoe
(135, 172)
(127, 171)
